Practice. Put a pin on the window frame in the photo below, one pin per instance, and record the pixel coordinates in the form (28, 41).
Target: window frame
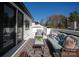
(27, 24)
(19, 12)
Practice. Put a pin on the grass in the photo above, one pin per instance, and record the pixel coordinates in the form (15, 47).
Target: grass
(39, 38)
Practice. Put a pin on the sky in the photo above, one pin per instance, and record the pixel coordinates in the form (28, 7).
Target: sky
(41, 10)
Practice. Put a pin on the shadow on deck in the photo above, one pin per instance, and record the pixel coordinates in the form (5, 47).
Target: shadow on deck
(28, 51)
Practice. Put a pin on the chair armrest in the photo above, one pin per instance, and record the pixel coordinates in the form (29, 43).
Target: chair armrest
(69, 52)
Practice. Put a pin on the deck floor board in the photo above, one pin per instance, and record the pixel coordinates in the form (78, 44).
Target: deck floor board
(30, 49)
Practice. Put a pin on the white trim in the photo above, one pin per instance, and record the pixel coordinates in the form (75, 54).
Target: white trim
(18, 49)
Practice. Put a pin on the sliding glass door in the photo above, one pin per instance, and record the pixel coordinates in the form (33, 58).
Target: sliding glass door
(8, 27)
(9, 23)
(19, 26)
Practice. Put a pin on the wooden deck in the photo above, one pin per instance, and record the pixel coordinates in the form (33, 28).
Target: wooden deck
(28, 50)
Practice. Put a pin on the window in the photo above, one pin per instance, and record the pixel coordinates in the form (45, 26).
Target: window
(20, 26)
(20, 19)
(8, 25)
(27, 24)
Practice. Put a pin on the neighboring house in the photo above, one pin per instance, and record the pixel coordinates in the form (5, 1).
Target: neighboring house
(15, 20)
(70, 25)
(36, 26)
(78, 26)
(73, 25)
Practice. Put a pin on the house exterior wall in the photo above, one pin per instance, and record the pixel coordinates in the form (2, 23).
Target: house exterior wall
(27, 31)
(26, 17)
(11, 36)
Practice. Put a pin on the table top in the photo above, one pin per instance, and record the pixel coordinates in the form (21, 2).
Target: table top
(37, 42)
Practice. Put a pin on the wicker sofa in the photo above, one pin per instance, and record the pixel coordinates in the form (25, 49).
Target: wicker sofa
(57, 42)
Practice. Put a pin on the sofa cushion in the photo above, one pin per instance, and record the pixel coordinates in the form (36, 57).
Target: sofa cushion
(61, 37)
(76, 39)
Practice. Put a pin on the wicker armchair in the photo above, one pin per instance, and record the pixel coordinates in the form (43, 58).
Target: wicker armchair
(69, 52)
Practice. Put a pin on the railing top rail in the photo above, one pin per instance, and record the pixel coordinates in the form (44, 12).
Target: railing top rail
(69, 32)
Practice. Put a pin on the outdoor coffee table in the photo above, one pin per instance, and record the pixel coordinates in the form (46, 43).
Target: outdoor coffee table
(38, 46)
